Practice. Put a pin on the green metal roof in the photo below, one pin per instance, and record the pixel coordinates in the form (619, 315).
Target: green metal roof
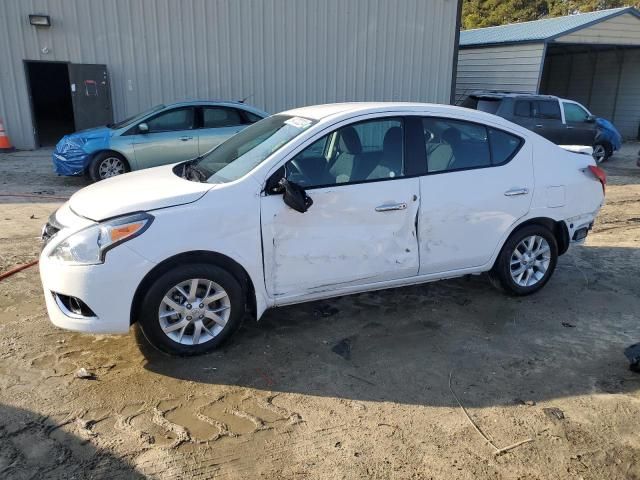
(538, 30)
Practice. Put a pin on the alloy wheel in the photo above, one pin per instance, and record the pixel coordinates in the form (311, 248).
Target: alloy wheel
(530, 261)
(599, 153)
(194, 311)
(110, 167)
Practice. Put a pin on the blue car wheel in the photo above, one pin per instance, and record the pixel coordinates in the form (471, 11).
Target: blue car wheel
(106, 165)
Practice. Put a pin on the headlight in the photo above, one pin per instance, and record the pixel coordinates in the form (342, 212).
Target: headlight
(89, 246)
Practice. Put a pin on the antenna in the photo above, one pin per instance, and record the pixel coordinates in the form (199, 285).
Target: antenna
(245, 98)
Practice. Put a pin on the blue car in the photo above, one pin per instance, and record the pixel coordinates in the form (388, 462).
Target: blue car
(164, 134)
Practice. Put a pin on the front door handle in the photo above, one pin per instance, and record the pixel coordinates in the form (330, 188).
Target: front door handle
(516, 191)
(539, 126)
(184, 139)
(391, 206)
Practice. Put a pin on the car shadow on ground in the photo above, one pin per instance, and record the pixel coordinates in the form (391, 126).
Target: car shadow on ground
(36, 446)
(402, 345)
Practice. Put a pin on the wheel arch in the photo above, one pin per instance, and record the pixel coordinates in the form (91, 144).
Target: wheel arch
(110, 150)
(196, 256)
(557, 227)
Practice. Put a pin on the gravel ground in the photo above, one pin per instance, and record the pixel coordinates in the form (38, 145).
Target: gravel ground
(357, 387)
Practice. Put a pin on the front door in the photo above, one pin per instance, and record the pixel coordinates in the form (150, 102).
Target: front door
(479, 182)
(361, 226)
(90, 95)
(580, 129)
(170, 138)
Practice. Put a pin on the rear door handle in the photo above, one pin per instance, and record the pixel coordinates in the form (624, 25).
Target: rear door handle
(184, 139)
(539, 126)
(516, 191)
(391, 206)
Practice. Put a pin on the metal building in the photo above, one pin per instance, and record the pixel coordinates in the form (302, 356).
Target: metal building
(75, 63)
(593, 58)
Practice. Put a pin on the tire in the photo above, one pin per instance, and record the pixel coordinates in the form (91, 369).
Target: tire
(506, 275)
(602, 151)
(175, 333)
(106, 165)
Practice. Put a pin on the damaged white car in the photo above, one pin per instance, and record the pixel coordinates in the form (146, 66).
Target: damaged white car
(314, 203)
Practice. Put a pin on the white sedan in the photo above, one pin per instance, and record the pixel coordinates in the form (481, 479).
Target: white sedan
(314, 203)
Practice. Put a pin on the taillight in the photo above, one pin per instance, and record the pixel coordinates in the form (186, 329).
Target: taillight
(600, 175)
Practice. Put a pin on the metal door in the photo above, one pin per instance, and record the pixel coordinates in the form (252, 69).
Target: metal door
(90, 95)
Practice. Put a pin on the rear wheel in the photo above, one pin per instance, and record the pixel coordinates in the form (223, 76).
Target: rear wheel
(192, 309)
(107, 165)
(527, 261)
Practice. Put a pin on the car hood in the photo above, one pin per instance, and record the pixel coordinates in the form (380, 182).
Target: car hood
(89, 133)
(144, 190)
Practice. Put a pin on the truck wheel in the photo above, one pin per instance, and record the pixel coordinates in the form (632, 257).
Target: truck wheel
(106, 165)
(602, 151)
(192, 309)
(527, 261)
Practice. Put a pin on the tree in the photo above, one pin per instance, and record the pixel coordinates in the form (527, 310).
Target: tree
(488, 13)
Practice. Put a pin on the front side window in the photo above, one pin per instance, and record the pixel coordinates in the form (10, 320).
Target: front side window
(361, 152)
(244, 151)
(548, 109)
(575, 113)
(173, 120)
(220, 117)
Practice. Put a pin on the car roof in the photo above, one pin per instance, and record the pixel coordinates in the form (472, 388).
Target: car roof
(220, 103)
(332, 113)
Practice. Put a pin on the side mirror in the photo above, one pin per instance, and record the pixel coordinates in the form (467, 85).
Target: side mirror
(295, 196)
(591, 119)
(143, 128)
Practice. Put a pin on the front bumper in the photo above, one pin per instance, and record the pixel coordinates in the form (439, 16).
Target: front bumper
(107, 289)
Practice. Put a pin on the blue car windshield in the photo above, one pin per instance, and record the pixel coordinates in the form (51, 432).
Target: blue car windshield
(131, 120)
(246, 150)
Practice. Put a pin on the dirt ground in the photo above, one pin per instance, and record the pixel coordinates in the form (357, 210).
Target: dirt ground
(356, 387)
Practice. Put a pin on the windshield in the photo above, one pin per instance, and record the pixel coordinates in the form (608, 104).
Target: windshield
(131, 120)
(243, 152)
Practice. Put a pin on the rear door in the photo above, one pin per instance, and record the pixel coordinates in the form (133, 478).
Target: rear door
(171, 138)
(548, 120)
(479, 182)
(218, 123)
(90, 95)
(579, 129)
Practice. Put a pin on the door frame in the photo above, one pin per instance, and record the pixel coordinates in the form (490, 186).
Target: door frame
(25, 65)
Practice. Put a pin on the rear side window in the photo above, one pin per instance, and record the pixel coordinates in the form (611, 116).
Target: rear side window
(219, 117)
(488, 105)
(548, 109)
(458, 145)
(252, 117)
(523, 108)
(503, 145)
(455, 145)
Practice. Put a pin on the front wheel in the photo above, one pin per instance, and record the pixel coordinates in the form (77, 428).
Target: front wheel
(107, 165)
(527, 261)
(602, 151)
(191, 309)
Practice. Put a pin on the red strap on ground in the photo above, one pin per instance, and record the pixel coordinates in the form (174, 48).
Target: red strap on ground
(17, 269)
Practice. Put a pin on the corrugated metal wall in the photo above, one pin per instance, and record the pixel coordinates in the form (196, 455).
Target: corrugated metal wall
(619, 30)
(506, 67)
(281, 53)
(592, 79)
